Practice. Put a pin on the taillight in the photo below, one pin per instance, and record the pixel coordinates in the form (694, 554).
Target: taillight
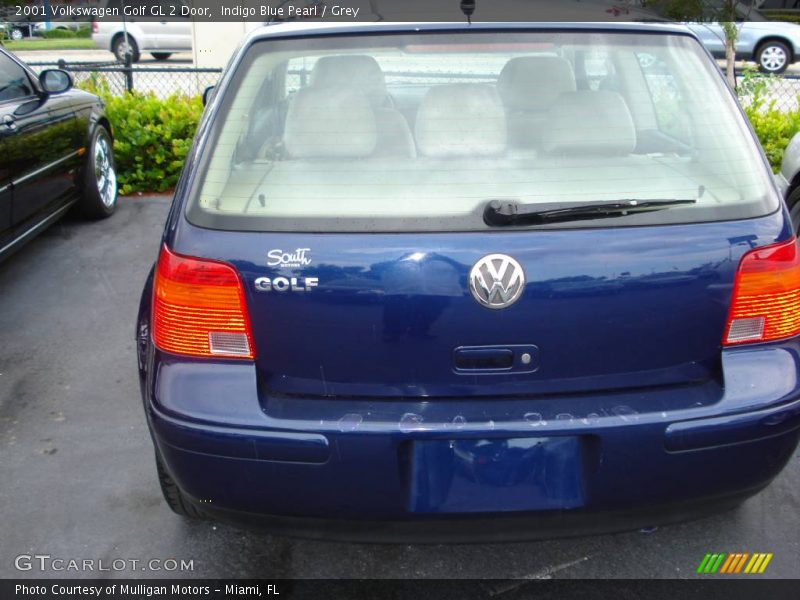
(766, 296)
(95, 27)
(199, 308)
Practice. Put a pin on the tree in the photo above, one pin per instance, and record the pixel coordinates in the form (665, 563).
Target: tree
(731, 35)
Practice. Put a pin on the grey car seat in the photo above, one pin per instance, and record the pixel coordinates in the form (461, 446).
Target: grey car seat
(529, 87)
(364, 74)
(609, 132)
(461, 119)
(330, 123)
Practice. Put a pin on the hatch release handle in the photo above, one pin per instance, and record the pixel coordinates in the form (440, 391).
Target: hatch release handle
(496, 359)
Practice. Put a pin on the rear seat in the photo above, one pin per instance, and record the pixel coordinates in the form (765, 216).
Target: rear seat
(464, 159)
(609, 132)
(363, 73)
(529, 87)
(461, 119)
(339, 122)
(330, 122)
(330, 143)
(454, 121)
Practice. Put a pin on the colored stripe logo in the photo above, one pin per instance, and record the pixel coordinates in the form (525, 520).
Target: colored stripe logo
(736, 563)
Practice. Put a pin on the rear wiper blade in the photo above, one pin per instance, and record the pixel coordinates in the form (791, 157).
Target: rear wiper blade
(503, 213)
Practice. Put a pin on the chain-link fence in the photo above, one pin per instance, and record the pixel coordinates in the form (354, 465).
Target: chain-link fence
(163, 81)
(783, 91)
(118, 77)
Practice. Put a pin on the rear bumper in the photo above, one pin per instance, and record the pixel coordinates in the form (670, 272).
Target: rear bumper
(403, 471)
(481, 529)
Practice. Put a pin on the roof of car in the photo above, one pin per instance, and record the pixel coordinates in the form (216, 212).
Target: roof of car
(310, 28)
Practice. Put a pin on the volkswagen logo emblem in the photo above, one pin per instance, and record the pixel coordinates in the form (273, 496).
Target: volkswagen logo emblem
(496, 281)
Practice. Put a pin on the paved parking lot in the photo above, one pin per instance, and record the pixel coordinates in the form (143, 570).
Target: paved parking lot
(77, 472)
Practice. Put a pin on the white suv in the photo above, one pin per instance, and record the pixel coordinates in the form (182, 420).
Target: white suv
(160, 38)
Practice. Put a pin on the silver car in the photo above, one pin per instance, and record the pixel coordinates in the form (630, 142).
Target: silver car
(136, 36)
(773, 45)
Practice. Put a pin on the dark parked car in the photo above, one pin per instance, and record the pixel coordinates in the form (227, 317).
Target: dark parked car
(55, 152)
(431, 281)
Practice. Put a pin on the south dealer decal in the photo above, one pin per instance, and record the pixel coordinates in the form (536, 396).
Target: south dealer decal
(287, 260)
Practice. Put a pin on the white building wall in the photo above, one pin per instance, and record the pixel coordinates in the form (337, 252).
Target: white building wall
(213, 43)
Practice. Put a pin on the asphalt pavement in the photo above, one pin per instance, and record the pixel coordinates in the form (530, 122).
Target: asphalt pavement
(77, 479)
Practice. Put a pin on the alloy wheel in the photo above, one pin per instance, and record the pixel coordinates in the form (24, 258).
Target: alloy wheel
(105, 175)
(773, 58)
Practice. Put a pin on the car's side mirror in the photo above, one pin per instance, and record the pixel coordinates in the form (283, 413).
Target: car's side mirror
(55, 81)
(207, 94)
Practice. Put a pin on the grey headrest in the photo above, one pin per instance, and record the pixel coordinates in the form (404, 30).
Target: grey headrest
(535, 82)
(335, 122)
(461, 119)
(359, 71)
(589, 123)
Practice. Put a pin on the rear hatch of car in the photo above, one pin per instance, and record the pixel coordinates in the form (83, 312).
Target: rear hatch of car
(461, 215)
(600, 310)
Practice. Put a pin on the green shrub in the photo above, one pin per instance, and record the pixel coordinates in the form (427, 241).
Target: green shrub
(774, 127)
(779, 15)
(53, 34)
(84, 31)
(151, 137)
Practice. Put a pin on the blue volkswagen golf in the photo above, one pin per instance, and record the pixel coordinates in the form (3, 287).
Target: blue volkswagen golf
(446, 282)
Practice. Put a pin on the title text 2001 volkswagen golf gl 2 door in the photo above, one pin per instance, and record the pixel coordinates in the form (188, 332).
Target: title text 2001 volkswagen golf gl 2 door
(445, 283)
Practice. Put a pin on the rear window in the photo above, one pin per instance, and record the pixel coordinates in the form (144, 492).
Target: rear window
(391, 132)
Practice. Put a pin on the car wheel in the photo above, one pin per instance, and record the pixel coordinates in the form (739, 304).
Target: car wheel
(121, 48)
(99, 198)
(173, 495)
(773, 57)
(16, 34)
(793, 202)
(161, 55)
